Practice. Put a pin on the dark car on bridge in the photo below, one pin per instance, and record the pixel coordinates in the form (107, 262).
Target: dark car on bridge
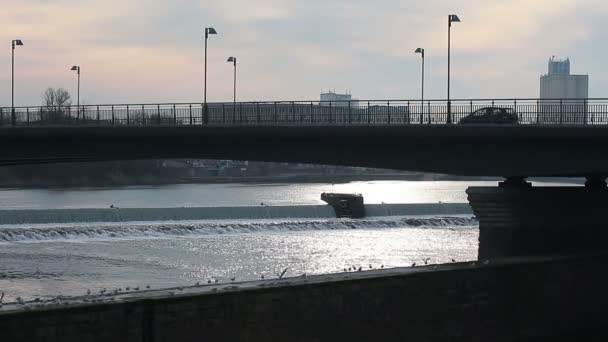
(491, 115)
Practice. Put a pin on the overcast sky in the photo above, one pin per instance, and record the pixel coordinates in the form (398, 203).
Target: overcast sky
(145, 51)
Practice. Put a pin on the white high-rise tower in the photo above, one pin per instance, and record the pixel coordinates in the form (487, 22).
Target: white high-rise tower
(563, 95)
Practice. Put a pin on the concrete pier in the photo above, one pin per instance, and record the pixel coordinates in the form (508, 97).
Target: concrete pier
(531, 299)
(516, 219)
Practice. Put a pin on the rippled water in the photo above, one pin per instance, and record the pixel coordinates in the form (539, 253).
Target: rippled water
(54, 259)
(70, 267)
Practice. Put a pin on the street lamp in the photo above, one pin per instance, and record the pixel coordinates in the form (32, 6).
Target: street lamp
(421, 51)
(452, 18)
(77, 69)
(208, 31)
(233, 60)
(15, 42)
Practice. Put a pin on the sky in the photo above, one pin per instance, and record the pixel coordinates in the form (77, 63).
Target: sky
(150, 51)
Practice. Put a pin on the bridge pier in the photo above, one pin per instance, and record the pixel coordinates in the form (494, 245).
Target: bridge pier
(517, 219)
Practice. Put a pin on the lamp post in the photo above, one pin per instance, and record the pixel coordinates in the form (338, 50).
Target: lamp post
(77, 69)
(208, 31)
(233, 60)
(421, 52)
(452, 18)
(15, 42)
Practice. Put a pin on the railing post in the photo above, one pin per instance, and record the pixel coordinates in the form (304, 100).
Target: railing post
(112, 115)
(275, 113)
(515, 110)
(537, 110)
(471, 109)
(257, 112)
(350, 113)
(13, 117)
(312, 116)
(292, 111)
(98, 115)
(158, 113)
(585, 112)
(369, 118)
(28, 115)
(330, 114)
(223, 112)
(143, 115)
(388, 108)
(241, 112)
(190, 111)
(128, 118)
(561, 111)
(174, 116)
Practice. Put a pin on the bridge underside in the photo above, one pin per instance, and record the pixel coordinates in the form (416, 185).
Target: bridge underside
(494, 150)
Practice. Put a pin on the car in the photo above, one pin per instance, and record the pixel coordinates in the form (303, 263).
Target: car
(491, 115)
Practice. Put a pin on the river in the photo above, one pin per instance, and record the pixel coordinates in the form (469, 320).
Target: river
(181, 253)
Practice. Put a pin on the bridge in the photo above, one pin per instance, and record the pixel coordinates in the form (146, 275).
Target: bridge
(561, 137)
(406, 135)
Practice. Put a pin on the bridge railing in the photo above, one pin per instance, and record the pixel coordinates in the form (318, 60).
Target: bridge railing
(289, 113)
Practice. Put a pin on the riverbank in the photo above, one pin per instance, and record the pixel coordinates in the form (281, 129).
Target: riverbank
(531, 299)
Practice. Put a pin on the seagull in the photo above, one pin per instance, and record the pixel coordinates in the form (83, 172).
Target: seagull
(360, 268)
(382, 266)
(127, 288)
(370, 266)
(453, 260)
(232, 279)
(262, 277)
(147, 286)
(344, 269)
(414, 265)
(426, 261)
(209, 281)
(88, 291)
(113, 206)
(136, 288)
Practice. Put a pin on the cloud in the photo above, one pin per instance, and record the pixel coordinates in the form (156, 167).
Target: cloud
(151, 50)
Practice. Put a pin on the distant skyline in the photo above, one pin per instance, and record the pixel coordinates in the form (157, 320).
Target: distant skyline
(145, 51)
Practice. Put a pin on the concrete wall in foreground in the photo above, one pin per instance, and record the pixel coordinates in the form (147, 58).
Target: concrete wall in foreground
(502, 302)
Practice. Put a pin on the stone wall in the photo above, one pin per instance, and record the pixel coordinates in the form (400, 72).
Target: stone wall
(501, 301)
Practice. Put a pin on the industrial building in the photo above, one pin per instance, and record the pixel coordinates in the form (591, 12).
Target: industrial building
(563, 95)
(336, 100)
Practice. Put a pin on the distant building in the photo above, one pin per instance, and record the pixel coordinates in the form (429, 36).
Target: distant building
(336, 100)
(563, 95)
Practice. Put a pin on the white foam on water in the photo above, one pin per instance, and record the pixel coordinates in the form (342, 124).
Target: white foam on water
(135, 230)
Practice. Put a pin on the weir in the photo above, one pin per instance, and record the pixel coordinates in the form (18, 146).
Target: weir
(517, 219)
(43, 216)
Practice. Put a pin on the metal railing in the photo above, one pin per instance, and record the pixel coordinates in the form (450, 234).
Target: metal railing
(309, 113)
